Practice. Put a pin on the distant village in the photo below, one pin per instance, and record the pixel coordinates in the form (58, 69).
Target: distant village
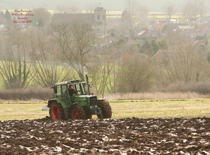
(111, 26)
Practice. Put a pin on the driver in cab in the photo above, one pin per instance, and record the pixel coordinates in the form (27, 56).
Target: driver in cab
(71, 90)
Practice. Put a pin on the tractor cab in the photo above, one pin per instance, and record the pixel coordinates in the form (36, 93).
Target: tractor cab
(77, 86)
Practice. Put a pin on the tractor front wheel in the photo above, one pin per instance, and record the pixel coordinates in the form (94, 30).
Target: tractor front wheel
(77, 112)
(56, 111)
(87, 112)
(106, 109)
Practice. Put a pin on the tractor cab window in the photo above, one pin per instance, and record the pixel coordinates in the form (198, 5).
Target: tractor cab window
(63, 89)
(58, 90)
(83, 89)
(80, 89)
(85, 86)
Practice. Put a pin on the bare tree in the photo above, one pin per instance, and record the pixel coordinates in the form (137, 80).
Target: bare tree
(131, 6)
(141, 17)
(135, 74)
(67, 9)
(90, 8)
(41, 17)
(199, 8)
(14, 69)
(126, 23)
(102, 72)
(73, 9)
(61, 9)
(127, 15)
(135, 15)
(194, 8)
(44, 52)
(184, 64)
(170, 9)
(76, 40)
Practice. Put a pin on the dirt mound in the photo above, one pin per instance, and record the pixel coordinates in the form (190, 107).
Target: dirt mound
(116, 136)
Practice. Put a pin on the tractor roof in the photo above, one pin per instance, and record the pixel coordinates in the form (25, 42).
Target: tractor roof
(70, 82)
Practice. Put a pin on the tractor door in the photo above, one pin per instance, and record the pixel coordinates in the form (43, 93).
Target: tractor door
(65, 99)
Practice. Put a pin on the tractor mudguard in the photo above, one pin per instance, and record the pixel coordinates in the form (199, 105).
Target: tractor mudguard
(50, 101)
(75, 103)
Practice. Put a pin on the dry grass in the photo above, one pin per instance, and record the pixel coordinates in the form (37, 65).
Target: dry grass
(156, 95)
(26, 94)
(198, 87)
(164, 108)
(21, 111)
(32, 101)
(144, 108)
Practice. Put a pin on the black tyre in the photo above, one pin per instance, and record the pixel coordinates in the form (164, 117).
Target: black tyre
(88, 116)
(56, 111)
(87, 112)
(106, 109)
(77, 112)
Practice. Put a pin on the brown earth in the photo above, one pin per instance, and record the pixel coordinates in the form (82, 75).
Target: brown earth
(116, 136)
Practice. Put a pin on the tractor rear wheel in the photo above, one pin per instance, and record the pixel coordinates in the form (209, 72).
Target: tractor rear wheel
(77, 112)
(106, 109)
(56, 111)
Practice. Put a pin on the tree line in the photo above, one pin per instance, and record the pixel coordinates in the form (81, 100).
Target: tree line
(40, 57)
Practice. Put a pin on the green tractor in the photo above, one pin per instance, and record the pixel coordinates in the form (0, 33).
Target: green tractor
(77, 105)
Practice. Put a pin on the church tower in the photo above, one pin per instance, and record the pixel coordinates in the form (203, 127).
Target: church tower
(100, 20)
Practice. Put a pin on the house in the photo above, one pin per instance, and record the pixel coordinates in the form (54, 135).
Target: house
(96, 20)
(204, 20)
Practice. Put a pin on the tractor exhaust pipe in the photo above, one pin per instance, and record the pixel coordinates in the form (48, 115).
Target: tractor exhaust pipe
(88, 84)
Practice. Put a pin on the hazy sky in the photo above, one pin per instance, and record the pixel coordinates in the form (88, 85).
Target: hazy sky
(152, 5)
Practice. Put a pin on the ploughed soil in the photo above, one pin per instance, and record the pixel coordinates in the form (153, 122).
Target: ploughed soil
(115, 136)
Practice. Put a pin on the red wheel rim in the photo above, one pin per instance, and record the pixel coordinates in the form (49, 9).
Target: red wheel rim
(56, 114)
(75, 115)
